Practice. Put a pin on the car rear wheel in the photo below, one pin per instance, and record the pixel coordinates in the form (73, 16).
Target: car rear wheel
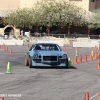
(30, 63)
(26, 61)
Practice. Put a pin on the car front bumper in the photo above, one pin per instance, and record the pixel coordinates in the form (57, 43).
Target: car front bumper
(48, 64)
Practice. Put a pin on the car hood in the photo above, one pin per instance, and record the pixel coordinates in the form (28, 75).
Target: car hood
(45, 53)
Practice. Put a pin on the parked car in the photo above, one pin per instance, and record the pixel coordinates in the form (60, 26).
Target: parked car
(46, 54)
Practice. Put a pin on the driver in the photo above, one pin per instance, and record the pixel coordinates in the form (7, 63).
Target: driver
(51, 47)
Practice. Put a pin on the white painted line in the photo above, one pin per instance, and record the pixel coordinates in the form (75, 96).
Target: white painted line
(2, 73)
(94, 96)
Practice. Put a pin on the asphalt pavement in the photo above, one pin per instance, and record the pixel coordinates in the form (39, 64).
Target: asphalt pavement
(48, 83)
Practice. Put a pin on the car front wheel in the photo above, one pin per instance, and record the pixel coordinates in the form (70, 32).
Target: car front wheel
(30, 63)
(26, 61)
(67, 64)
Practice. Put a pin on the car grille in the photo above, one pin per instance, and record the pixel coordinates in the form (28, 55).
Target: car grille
(37, 60)
(49, 58)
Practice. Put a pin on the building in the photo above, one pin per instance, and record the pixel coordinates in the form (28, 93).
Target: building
(7, 5)
(87, 5)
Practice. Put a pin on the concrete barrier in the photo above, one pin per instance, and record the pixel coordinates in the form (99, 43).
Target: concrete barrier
(59, 42)
(85, 44)
(11, 42)
(83, 40)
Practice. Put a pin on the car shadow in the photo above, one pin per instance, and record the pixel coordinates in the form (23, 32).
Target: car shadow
(72, 67)
(53, 67)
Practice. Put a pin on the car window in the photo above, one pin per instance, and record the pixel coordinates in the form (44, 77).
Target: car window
(37, 47)
(46, 47)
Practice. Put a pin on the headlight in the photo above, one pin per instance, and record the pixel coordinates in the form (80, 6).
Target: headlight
(39, 56)
(35, 56)
(60, 57)
(64, 56)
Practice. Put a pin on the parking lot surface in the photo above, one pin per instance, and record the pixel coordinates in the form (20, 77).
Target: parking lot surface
(48, 83)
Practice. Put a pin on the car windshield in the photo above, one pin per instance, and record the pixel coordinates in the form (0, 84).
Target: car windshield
(47, 47)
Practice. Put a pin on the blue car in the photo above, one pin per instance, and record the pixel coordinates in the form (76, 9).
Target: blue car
(46, 54)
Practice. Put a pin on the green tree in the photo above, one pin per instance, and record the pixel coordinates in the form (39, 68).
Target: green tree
(20, 18)
(50, 13)
(60, 13)
(94, 21)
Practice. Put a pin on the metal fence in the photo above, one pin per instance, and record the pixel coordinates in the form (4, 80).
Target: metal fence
(66, 35)
(62, 35)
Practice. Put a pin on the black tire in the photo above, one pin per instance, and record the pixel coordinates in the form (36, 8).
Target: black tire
(67, 64)
(26, 61)
(30, 63)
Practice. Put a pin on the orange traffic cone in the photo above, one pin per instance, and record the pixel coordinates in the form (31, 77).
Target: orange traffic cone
(66, 51)
(96, 46)
(98, 55)
(76, 48)
(2, 46)
(86, 96)
(28, 46)
(95, 56)
(6, 48)
(91, 57)
(99, 96)
(10, 51)
(75, 60)
(98, 66)
(1, 98)
(64, 48)
(85, 58)
(80, 59)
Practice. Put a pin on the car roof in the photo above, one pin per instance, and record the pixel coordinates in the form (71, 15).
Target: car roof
(45, 43)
